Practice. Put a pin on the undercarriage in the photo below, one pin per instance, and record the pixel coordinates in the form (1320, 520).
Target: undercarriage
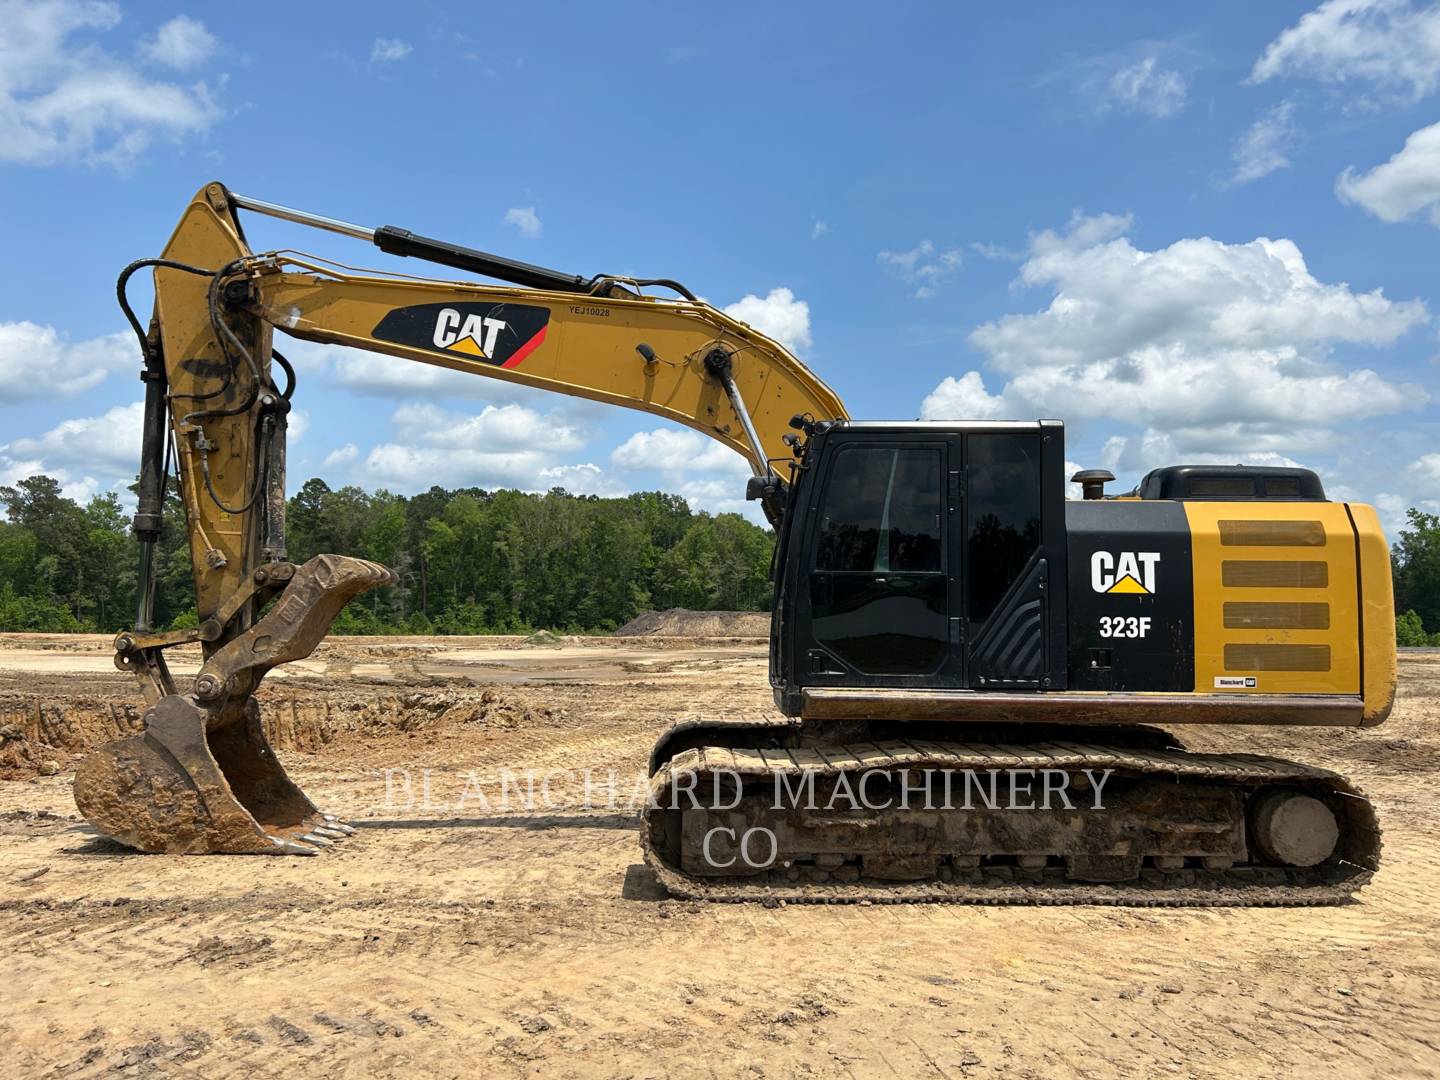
(821, 814)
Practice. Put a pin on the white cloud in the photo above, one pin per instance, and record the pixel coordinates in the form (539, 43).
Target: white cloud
(495, 426)
(717, 496)
(1390, 44)
(74, 451)
(964, 398)
(296, 425)
(1146, 87)
(585, 478)
(342, 458)
(182, 43)
(778, 315)
(525, 219)
(36, 361)
(709, 475)
(1226, 348)
(63, 98)
(506, 446)
(819, 229)
(675, 450)
(996, 253)
(1266, 144)
(1406, 184)
(1152, 449)
(389, 50)
(110, 441)
(406, 468)
(1426, 469)
(924, 266)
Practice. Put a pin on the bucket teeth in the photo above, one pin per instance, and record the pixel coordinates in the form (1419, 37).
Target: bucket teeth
(201, 778)
(291, 847)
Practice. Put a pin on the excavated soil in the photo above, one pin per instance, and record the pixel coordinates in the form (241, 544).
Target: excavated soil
(679, 622)
(461, 934)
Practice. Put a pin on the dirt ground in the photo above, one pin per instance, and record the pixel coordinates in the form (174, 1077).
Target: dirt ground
(453, 937)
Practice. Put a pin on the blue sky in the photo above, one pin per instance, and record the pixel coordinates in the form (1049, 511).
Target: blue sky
(1193, 234)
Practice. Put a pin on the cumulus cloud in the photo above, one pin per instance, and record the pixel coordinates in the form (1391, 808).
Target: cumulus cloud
(964, 398)
(1407, 184)
(37, 361)
(502, 446)
(1147, 87)
(710, 476)
(716, 496)
(1392, 46)
(1151, 449)
(525, 219)
(64, 98)
(677, 450)
(1223, 347)
(778, 315)
(182, 43)
(110, 441)
(1427, 469)
(585, 478)
(86, 455)
(502, 427)
(925, 266)
(1266, 144)
(409, 468)
(389, 50)
(343, 457)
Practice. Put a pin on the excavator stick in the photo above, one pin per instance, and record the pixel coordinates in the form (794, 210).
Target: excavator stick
(202, 778)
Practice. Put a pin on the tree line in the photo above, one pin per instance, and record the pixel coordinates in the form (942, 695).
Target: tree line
(470, 561)
(1415, 560)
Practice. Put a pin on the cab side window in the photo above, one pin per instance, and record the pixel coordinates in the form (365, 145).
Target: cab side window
(1004, 514)
(882, 512)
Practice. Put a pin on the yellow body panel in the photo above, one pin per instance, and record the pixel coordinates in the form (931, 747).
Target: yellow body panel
(1377, 614)
(1281, 606)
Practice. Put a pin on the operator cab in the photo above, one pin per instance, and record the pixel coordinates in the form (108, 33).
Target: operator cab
(924, 556)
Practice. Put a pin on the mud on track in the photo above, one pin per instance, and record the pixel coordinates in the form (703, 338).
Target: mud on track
(445, 943)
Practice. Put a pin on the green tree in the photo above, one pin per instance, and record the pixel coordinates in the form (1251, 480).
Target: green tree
(1409, 630)
(468, 560)
(1416, 568)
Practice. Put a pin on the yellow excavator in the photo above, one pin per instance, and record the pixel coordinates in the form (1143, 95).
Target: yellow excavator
(969, 666)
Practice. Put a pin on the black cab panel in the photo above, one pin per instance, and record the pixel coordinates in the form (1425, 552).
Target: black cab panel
(923, 555)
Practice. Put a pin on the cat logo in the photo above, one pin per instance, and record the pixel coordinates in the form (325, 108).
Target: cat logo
(502, 335)
(471, 334)
(1125, 572)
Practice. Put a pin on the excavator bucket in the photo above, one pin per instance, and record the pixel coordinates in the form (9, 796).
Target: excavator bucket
(202, 778)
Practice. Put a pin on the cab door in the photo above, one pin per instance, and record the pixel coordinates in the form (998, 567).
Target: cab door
(1014, 555)
(880, 603)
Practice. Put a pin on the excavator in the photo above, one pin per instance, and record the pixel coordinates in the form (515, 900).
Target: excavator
(975, 675)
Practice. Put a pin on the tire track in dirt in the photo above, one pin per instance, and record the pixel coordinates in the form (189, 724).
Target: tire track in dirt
(533, 943)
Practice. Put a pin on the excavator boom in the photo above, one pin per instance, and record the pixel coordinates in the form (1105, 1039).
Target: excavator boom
(212, 393)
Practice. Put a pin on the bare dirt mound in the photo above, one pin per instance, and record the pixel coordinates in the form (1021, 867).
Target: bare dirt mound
(680, 622)
(46, 735)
